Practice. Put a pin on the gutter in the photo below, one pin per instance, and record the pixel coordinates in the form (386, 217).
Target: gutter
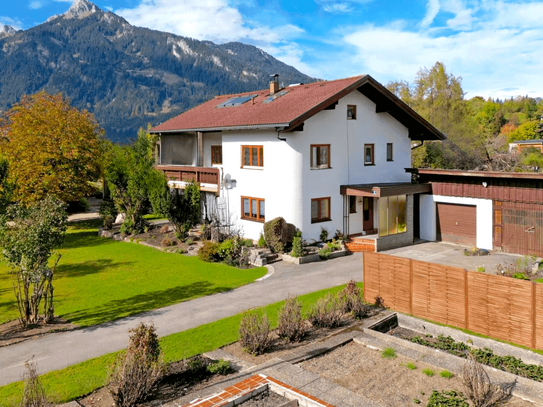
(209, 129)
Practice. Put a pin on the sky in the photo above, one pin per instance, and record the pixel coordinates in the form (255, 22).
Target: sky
(496, 47)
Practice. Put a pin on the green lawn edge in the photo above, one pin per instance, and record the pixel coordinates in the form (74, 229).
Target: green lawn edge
(83, 378)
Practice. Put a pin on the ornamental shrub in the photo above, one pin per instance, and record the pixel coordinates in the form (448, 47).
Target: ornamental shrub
(261, 241)
(325, 253)
(254, 332)
(297, 245)
(291, 323)
(327, 312)
(351, 299)
(209, 251)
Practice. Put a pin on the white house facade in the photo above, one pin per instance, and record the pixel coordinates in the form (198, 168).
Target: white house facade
(325, 155)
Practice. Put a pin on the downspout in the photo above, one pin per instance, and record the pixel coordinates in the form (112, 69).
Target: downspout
(279, 130)
(420, 145)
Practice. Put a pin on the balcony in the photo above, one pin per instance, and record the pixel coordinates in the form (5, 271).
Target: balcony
(179, 175)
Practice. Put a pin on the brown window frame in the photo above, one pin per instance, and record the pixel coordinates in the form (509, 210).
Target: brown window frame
(391, 157)
(352, 204)
(372, 154)
(213, 149)
(353, 109)
(318, 146)
(260, 157)
(321, 218)
(258, 201)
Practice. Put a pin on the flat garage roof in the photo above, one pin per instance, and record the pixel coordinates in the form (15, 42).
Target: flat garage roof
(384, 189)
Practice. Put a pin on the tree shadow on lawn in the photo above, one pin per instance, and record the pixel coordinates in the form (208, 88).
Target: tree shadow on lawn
(142, 302)
(85, 239)
(87, 267)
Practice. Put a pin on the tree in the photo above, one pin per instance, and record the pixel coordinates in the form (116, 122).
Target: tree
(52, 148)
(28, 236)
(526, 131)
(6, 188)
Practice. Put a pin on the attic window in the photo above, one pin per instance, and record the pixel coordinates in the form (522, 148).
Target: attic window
(275, 96)
(237, 101)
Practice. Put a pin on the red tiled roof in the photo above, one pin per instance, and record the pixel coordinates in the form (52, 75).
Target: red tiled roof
(293, 108)
(284, 110)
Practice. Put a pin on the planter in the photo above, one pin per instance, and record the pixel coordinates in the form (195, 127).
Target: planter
(311, 258)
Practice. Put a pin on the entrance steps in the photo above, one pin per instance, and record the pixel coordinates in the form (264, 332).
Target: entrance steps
(261, 257)
(360, 244)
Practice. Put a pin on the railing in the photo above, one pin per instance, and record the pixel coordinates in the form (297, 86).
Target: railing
(203, 175)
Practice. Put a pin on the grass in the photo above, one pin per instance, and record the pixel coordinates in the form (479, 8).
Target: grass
(100, 279)
(81, 379)
(446, 374)
(411, 366)
(428, 372)
(388, 353)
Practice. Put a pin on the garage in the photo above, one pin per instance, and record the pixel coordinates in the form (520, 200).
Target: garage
(456, 223)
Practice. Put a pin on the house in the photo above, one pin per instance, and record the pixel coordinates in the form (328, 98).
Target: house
(491, 210)
(321, 155)
(519, 145)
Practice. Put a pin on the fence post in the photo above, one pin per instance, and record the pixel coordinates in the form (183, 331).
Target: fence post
(533, 315)
(364, 274)
(411, 286)
(466, 298)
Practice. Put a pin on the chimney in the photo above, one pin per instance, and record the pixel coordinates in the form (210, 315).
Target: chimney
(274, 84)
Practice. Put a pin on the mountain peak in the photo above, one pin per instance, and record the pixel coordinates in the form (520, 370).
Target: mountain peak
(7, 30)
(81, 9)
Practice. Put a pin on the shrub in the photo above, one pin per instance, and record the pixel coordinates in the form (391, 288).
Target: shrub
(324, 234)
(388, 353)
(478, 387)
(166, 242)
(261, 241)
(351, 299)
(447, 398)
(221, 367)
(297, 245)
(189, 242)
(136, 372)
(327, 312)
(291, 323)
(278, 234)
(164, 229)
(254, 333)
(411, 366)
(325, 253)
(334, 245)
(428, 372)
(108, 213)
(380, 301)
(446, 374)
(521, 276)
(33, 391)
(209, 251)
(248, 243)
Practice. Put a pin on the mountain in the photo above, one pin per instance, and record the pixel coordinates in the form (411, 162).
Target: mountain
(127, 76)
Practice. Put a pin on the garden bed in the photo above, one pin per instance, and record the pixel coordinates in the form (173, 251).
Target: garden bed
(13, 332)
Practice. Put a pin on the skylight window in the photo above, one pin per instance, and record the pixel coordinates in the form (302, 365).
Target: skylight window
(275, 96)
(237, 101)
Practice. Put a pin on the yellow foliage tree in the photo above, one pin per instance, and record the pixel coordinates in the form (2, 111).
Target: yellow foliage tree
(52, 148)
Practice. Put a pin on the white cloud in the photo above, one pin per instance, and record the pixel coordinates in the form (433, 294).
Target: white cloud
(35, 5)
(15, 23)
(340, 6)
(432, 8)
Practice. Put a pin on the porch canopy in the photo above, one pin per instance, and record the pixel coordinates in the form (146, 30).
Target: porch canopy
(385, 189)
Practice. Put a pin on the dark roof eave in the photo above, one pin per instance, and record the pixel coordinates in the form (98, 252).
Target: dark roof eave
(225, 128)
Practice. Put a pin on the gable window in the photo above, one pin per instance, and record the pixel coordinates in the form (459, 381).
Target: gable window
(351, 112)
(216, 155)
(253, 209)
(320, 156)
(368, 154)
(320, 210)
(352, 204)
(252, 156)
(389, 152)
(392, 219)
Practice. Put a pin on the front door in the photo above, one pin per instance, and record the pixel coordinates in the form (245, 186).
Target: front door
(367, 215)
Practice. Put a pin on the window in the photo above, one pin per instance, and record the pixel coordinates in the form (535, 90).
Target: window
(351, 112)
(320, 156)
(216, 154)
(392, 219)
(252, 156)
(253, 209)
(320, 210)
(389, 152)
(368, 154)
(352, 204)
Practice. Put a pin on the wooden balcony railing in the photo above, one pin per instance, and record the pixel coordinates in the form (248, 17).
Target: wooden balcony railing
(203, 175)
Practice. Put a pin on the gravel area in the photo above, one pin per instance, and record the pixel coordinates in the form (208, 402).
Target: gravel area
(265, 399)
(387, 381)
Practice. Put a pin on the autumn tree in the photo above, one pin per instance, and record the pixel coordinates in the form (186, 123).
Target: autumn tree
(52, 148)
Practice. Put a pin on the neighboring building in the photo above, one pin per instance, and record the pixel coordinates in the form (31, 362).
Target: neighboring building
(326, 154)
(518, 146)
(490, 210)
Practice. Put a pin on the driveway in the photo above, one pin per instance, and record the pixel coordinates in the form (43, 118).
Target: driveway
(59, 350)
(453, 255)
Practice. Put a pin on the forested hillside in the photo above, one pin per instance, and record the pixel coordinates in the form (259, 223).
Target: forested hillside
(478, 130)
(127, 76)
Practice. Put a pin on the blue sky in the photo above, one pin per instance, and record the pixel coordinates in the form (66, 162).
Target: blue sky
(495, 46)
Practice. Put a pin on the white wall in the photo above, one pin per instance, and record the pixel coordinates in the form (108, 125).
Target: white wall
(211, 139)
(428, 227)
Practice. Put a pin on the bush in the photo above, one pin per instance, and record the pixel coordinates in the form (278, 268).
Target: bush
(324, 234)
(446, 374)
(411, 366)
(447, 398)
(164, 229)
(297, 245)
(108, 213)
(254, 333)
(428, 372)
(136, 372)
(80, 206)
(189, 242)
(388, 353)
(33, 391)
(261, 241)
(248, 243)
(351, 299)
(334, 245)
(221, 367)
(325, 253)
(478, 387)
(278, 234)
(166, 242)
(521, 276)
(291, 323)
(327, 312)
(209, 251)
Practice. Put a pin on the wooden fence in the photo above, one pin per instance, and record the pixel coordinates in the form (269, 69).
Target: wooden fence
(500, 307)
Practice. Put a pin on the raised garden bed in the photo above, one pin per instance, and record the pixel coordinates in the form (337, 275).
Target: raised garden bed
(311, 254)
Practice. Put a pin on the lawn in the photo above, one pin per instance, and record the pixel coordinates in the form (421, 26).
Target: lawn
(81, 379)
(100, 279)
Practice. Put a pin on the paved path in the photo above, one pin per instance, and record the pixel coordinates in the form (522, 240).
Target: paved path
(59, 350)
